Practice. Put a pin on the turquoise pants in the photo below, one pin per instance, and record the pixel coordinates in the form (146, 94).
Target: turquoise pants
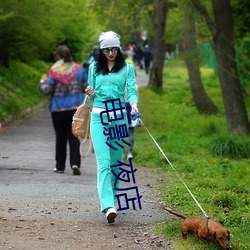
(106, 157)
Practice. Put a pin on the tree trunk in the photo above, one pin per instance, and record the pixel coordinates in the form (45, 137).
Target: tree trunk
(235, 109)
(201, 99)
(223, 38)
(159, 47)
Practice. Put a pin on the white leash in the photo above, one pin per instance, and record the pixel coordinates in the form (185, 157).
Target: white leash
(174, 170)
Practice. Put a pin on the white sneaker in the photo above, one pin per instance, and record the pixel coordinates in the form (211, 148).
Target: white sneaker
(111, 214)
(129, 156)
(58, 171)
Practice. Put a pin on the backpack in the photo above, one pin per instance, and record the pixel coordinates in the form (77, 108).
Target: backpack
(81, 125)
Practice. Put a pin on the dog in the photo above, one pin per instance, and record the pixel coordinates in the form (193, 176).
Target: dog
(204, 229)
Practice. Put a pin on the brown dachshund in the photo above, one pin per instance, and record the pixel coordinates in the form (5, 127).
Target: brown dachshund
(204, 229)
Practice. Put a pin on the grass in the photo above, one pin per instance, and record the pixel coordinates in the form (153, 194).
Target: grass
(19, 88)
(214, 164)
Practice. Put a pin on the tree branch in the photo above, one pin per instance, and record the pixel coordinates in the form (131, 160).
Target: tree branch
(202, 9)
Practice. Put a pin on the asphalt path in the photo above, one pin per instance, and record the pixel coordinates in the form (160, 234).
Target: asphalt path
(30, 189)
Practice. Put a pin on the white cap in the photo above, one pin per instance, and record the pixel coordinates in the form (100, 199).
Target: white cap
(109, 39)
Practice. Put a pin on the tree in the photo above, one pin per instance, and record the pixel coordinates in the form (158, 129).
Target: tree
(201, 99)
(242, 33)
(241, 17)
(126, 18)
(159, 46)
(28, 33)
(223, 38)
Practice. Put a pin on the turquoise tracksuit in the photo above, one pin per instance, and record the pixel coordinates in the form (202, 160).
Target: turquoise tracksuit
(109, 87)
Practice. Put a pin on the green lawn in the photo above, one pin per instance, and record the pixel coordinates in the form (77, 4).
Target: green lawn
(214, 164)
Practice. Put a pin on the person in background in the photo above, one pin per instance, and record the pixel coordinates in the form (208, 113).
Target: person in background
(92, 57)
(131, 129)
(138, 56)
(65, 83)
(128, 58)
(108, 77)
(147, 54)
(93, 54)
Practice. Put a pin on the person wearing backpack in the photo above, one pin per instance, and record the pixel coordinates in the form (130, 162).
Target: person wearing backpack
(65, 83)
(108, 78)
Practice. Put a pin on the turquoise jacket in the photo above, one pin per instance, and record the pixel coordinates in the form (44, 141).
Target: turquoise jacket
(113, 85)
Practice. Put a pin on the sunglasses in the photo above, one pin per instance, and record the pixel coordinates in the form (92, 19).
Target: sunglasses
(106, 51)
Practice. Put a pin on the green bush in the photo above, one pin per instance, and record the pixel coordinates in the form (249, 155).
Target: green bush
(19, 87)
(231, 146)
(223, 200)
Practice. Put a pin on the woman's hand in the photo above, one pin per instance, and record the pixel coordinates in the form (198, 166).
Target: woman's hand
(134, 109)
(43, 79)
(90, 91)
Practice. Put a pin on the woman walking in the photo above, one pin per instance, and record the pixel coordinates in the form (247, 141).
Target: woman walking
(108, 78)
(65, 84)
